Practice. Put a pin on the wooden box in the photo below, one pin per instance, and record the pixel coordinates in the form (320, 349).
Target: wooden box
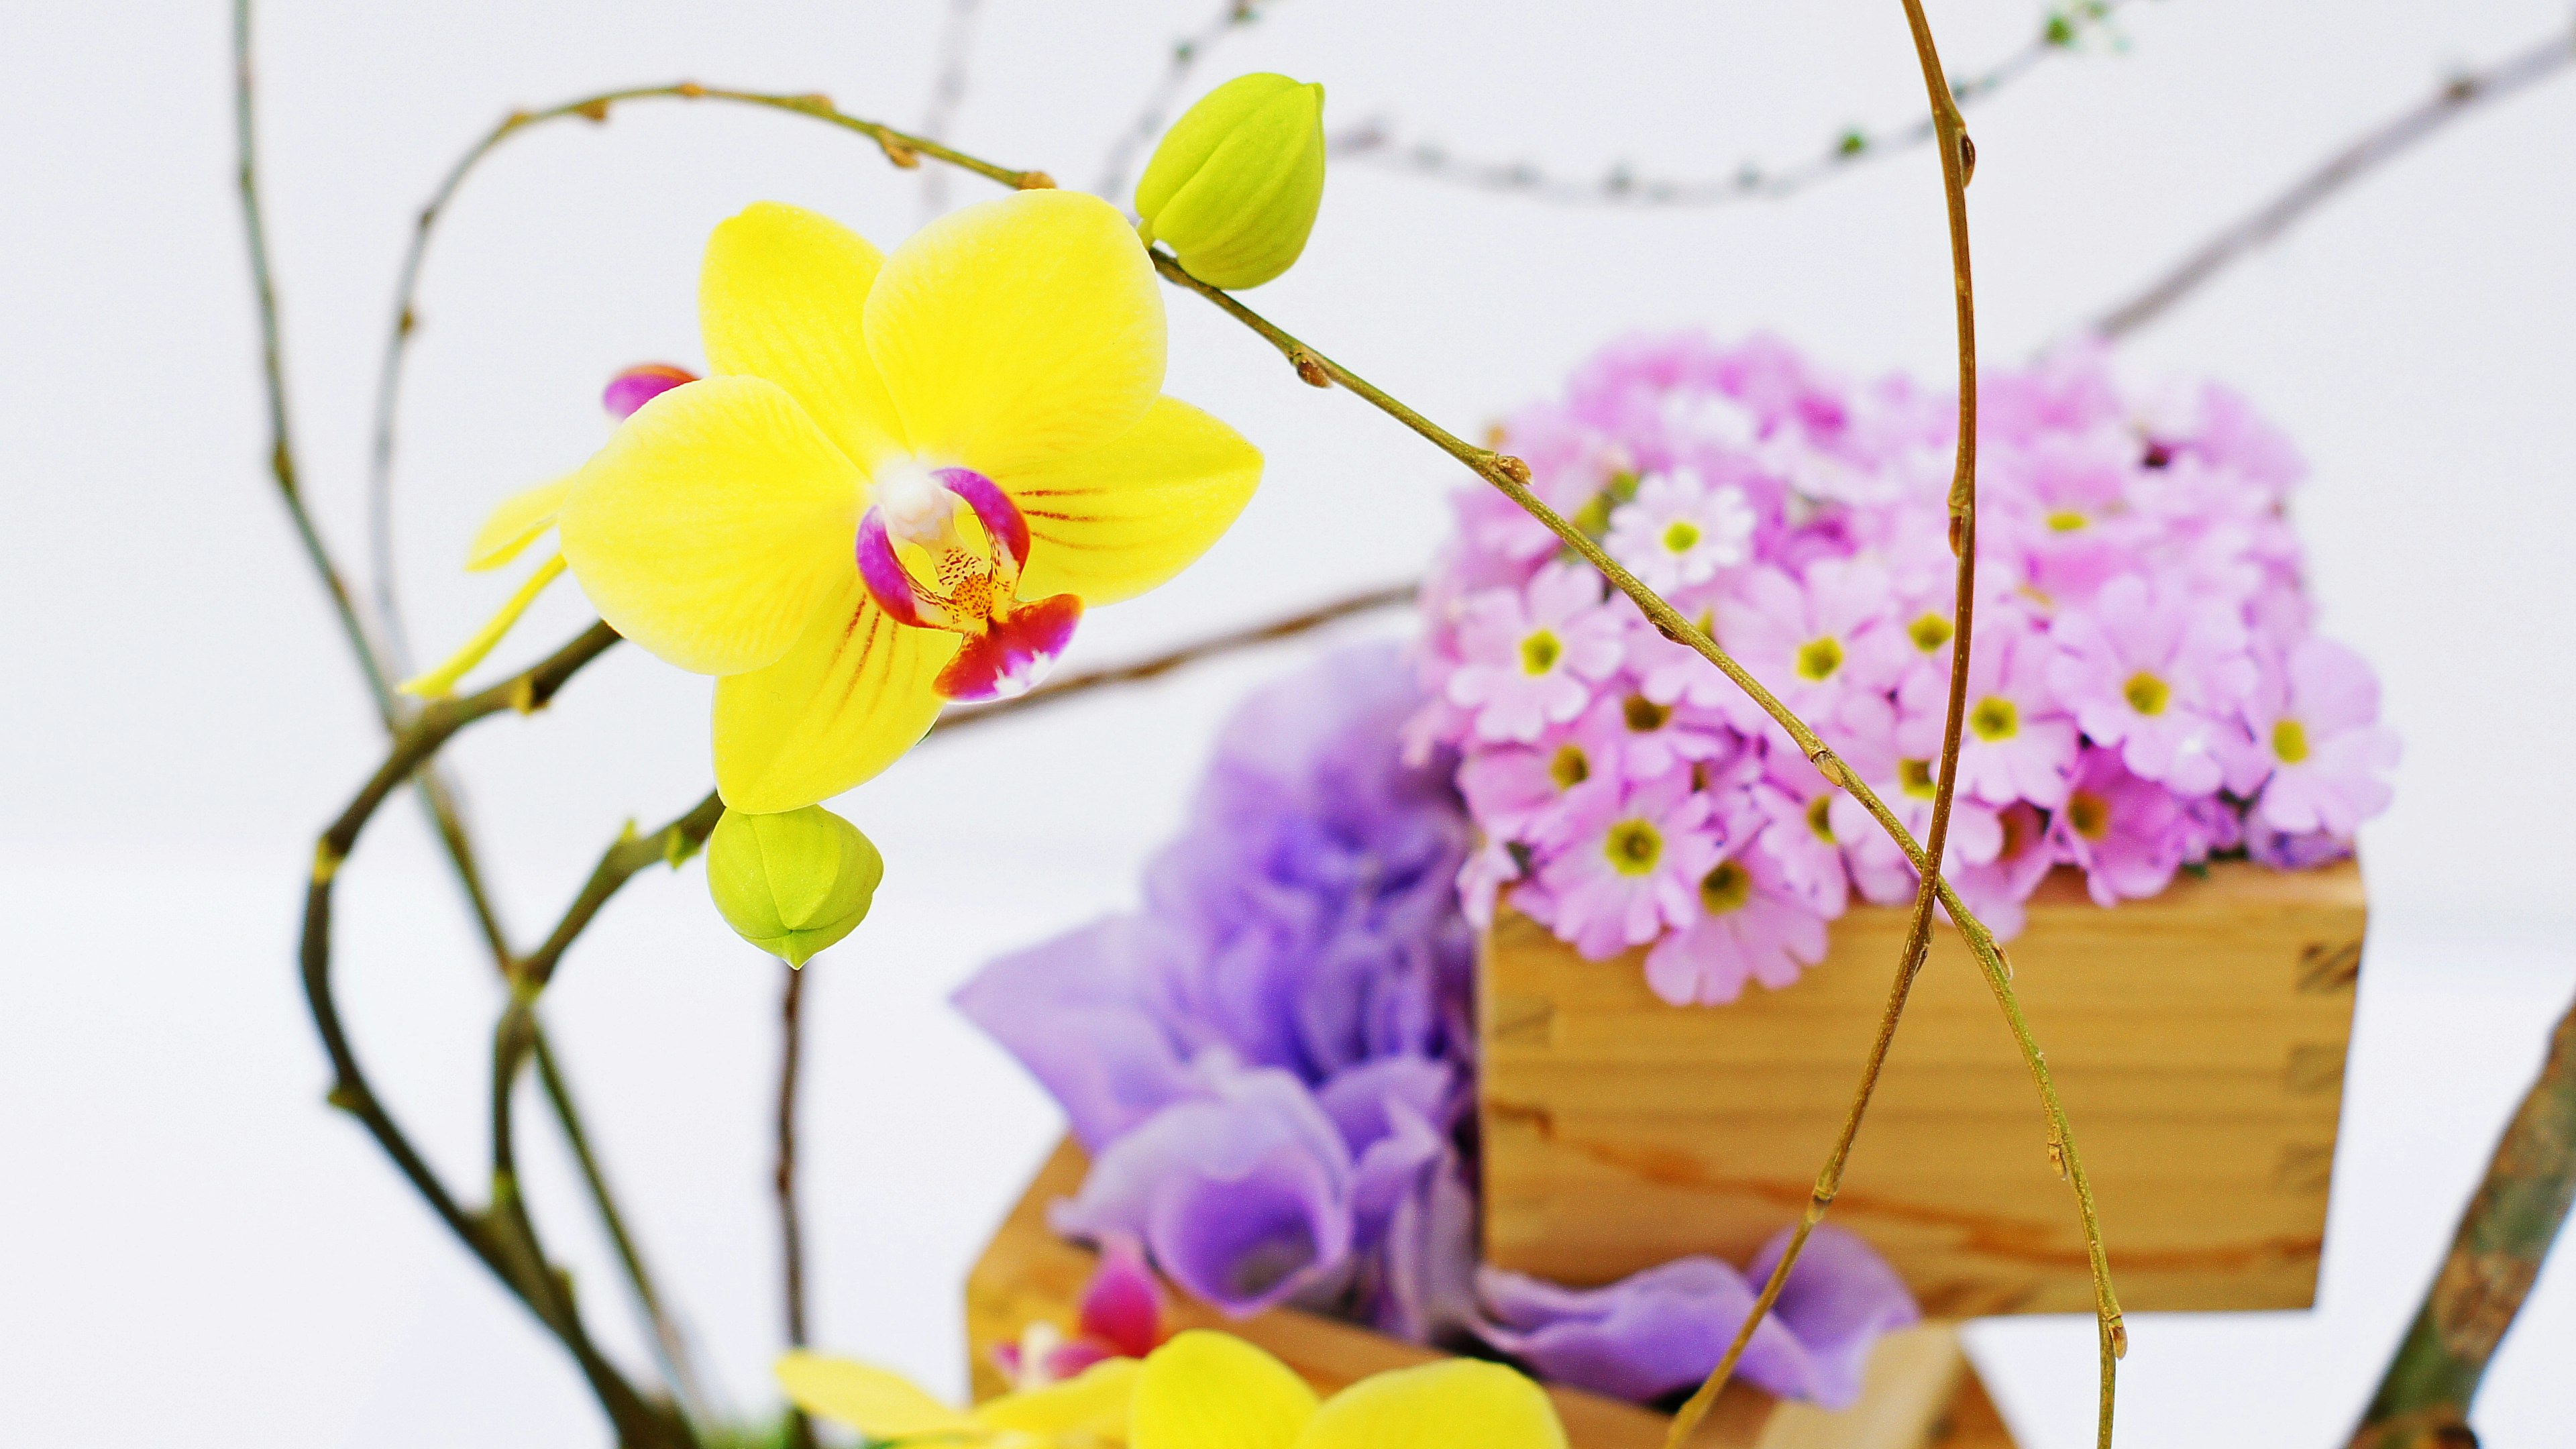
(1919, 1392)
(2198, 1039)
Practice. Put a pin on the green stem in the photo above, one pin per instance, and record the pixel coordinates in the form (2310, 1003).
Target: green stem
(2504, 1236)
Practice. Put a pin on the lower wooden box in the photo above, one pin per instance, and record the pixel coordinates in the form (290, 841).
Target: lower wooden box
(1919, 1392)
(2197, 1038)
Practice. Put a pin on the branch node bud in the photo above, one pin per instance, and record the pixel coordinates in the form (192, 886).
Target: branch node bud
(326, 862)
(2119, 1336)
(594, 112)
(1310, 368)
(1967, 159)
(523, 695)
(689, 91)
(343, 1097)
(1510, 467)
(1034, 181)
(903, 156)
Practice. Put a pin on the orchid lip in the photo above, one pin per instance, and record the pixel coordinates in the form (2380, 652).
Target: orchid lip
(1010, 642)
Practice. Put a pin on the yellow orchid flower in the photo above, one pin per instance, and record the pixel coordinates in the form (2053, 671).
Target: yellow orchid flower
(1207, 1390)
(902, 482)
(1088, 1411)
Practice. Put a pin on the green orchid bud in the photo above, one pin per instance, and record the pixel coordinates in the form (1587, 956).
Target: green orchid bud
(1234, 188)
(792, 883)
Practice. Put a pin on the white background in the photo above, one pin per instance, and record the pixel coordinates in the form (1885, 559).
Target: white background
(193, 1249)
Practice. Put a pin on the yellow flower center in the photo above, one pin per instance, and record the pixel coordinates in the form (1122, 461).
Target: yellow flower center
(2147, 694)
(1570, 767)
(1540, 651)
(2089, 813)
(1644, 715)
(1819, 658)
(1914, 777)
(1726, 888)
(1633, 847)
(2066, 520)
(1679, 535)
(1929, 632)
(2290, 741)
(1995, 718)
(1820, 818)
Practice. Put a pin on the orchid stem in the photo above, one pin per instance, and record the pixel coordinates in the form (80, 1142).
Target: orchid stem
(791, 1228)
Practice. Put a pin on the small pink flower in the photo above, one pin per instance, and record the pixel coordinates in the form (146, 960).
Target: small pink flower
(1513, 790)
(1121, 1316)
(1824, 646)
(1998, 889)
(1679, 531)
(2127, 834)
(1621, 869)
(2158, 673)
(1796, 810)
(1751, 927)
(2316, 748)
(2015, 743)
(1656, 739)
(1481, 880)
(1530, 655)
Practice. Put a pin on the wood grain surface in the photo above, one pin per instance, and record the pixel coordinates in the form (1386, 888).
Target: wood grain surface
(2198, 1038)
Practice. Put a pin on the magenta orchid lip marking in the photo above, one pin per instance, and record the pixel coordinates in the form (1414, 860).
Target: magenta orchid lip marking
(973, 586)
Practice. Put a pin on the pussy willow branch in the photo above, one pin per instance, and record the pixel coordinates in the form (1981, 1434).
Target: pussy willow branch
(446, 817)
(1371, 143)
(2365, 153)
(1187, 52)
(500, 1237)
(1511, 477)
(2504, 1236)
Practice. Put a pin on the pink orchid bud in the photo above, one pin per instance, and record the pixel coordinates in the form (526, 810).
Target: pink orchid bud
(639, 385)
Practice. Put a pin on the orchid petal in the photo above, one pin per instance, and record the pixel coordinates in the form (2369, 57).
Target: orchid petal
(781, 296)
(879, 1403)
(845, 701)
(1455, 1404)
(1093, 1403)
(1018, 330)
(440, 682)
(515, 524)
(633, 388)
(1110, 523)
(1208, 1390)
(714, 524)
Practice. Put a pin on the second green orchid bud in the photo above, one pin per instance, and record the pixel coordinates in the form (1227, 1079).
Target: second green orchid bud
(1234, 187)
(793, 883)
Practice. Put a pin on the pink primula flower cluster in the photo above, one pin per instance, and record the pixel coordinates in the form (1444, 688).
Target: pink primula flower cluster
(2145, 693)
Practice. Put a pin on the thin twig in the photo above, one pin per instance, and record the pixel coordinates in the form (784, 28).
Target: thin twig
(446, 815)
(791, 1230)
(502, 1237)
(2504, 1236)
(1958, 157)
(1374, 143)
(1187, 52)
(2381, 144)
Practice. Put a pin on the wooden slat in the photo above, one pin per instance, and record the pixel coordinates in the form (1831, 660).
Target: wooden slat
(1918, 1384)
(2198, 1039)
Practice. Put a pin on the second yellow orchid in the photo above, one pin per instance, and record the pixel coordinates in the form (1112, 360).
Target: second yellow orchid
(903, 480)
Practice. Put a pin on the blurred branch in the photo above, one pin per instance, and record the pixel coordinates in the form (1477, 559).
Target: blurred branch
(791, 1227)
(2375, 148)
(1373, 142)
(947, 92)
(2504, 1237)
(1187, 52)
